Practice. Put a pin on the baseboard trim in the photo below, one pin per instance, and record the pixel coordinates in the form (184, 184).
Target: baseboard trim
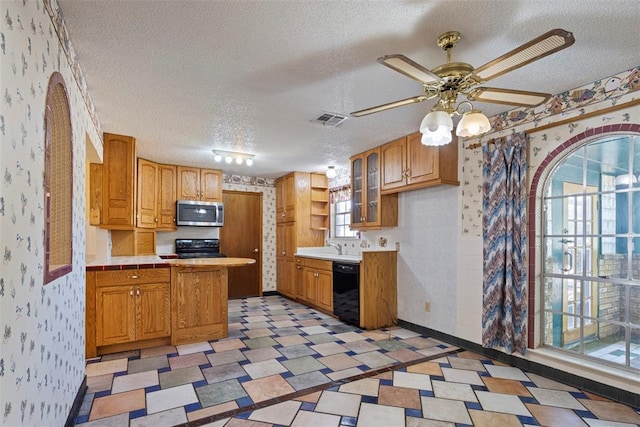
(582, 383)
(270, 293)
(77, 404)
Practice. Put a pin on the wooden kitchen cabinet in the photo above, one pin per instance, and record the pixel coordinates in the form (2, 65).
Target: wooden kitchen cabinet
(294, 228)
(118, 182)
(370, 209)
(286, 198)
(127, 309)
(147, 200)
(199, 184)
(166, 198)
(315, 286)
(407, 164)
(199, 309)
(378, 289)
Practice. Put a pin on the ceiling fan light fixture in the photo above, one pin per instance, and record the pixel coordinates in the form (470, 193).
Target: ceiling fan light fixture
(436, 139)
(473, 123)
(436, 121)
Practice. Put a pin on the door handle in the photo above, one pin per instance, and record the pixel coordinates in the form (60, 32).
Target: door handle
(568, 269)
(255, 251)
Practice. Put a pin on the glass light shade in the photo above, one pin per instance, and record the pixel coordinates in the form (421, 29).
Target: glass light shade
(436, 120)
(239, 160)
(473, 123)
(228, 159)
(436, 128)
(248, 162)
(217, 158)
(331, 172)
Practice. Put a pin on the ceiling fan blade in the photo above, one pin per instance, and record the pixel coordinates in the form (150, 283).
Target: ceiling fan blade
(537, 48)
(390, 105)
(409, 68)
(522, 98)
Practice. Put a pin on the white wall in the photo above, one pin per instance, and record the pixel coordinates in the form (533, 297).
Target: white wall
(42, 354)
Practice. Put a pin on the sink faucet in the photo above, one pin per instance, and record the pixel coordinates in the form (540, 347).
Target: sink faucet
(335, 245)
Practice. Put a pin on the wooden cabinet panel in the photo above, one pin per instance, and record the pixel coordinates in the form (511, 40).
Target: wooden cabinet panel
(147, 194)
(378, 289)
(210, 185)
(315, 282)
(166, 197)
(407, 164)
(153, 311)
(199, 304)
(324, 289)
(118, 177)
(188, 183)
(199, 184)
(393, 158)
(115, 315)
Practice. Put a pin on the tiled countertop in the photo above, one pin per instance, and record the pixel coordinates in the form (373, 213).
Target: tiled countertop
(126, 262)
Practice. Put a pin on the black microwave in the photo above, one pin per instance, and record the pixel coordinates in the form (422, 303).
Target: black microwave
(199, 214)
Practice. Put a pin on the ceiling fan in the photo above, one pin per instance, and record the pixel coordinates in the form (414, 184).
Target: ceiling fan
(451, 79)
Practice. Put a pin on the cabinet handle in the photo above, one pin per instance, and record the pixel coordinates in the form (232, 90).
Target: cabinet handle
(299, 268)
(137, 291)
(131, 292)
(155, 219)
(134, 276)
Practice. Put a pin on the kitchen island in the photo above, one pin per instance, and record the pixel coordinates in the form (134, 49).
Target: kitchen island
(139, 302)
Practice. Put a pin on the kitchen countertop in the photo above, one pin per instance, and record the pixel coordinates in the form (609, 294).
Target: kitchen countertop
(210, 262)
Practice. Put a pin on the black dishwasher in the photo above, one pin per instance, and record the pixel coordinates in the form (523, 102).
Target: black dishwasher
(346, 292)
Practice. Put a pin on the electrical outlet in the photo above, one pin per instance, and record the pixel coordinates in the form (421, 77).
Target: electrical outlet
(427, 306)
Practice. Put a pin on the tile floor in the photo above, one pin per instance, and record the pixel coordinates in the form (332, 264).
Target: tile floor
(285, 364)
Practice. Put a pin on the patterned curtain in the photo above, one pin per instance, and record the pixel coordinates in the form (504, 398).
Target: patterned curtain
(504, 227)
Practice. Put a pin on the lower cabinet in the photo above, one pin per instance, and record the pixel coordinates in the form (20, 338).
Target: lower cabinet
(199, 309)
(127, 306)
(315, 282)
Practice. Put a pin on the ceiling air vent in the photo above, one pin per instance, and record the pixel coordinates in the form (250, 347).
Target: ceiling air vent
(331, 119)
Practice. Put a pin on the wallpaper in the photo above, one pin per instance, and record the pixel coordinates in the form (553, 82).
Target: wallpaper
(268, 189)
(571, 104)
(42, 347)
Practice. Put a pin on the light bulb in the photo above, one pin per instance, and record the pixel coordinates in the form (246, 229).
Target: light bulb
(217, 158)
(249, 162)
(228, 159)
(239, 160)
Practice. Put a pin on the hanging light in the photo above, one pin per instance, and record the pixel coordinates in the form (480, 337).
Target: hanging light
(437, 125)
(331, 172)
(473, 123)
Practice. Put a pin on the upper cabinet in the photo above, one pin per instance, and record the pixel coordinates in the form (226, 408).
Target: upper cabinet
(199, 184)
(407, 164)
(147, 215)
(166, 197)
(369, 209)
(118, 182)
(286, 198)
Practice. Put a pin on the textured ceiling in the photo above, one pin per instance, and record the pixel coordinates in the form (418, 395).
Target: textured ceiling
(186, 77)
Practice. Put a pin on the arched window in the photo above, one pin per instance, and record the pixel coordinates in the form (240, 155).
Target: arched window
(58, 181)
(590, 258)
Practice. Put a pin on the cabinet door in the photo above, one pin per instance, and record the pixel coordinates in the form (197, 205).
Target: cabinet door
(153, 311)
(166, 197)
(281, 273)
(281, 213)
(357, 188)
(324, 289)
(199, 304)
(310, 285)
(147, 194)
(188, 183)
(422, 161)
(118, 181)
(300, 287)
(290, 197)
(290, 277)
(290, 239)
(393, 159)
(372, 180)
(115, 315)
(210, 185)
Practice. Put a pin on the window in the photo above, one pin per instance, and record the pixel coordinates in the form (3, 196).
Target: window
(591, 279)
(58, 181)
(341, 213)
